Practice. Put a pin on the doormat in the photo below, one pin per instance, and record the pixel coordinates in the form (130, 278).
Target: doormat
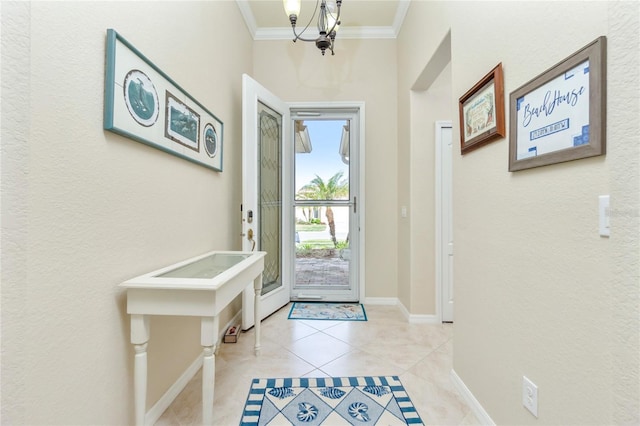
(329, 401)
(328, 311)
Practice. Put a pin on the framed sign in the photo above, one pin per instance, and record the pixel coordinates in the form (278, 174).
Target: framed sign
(482, 112)
(144, 104)
(561, 114)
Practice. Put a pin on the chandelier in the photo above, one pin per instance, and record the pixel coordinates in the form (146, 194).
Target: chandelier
(328, 22)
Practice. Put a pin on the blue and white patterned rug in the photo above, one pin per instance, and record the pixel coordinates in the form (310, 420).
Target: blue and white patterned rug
(329, 401)
(328, 311)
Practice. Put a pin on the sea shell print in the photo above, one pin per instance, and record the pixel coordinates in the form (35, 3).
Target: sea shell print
(308, 412)
(358, 411)
(281, 393)
(332, 393)
(377, 390)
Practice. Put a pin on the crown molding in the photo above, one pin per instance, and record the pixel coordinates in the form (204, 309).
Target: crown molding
(247, 14)
(285, 33)
(401, 13)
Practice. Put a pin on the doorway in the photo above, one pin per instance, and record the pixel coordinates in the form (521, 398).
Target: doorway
(326, 193)
(444, 218)
(269, 205)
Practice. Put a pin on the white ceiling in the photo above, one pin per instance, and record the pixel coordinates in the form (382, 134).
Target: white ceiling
(266, 19)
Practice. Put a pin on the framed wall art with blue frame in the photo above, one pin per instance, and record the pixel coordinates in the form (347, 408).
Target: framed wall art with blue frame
(144, 104)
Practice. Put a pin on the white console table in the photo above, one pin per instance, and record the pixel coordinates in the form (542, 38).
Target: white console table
(201, 286)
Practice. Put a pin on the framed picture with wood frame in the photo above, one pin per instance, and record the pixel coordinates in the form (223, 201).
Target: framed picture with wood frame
(482, 112)
(560, 115)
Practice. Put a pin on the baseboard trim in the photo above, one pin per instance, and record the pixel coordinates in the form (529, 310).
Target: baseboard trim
(152, 416)
(172, 393)
(411, 318)
(471, 400)
(418, 319)
(391, 301)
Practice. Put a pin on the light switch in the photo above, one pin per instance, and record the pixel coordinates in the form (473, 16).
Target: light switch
(403, 211)
(604, 215)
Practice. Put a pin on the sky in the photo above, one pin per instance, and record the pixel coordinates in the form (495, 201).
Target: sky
(324, 159)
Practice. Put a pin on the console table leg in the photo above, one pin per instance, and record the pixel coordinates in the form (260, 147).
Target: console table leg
(256, 311)
(140, 333)
(140, 382)
(208, 340)
(208, 382)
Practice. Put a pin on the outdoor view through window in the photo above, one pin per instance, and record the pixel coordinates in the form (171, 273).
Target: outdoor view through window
(321, 200)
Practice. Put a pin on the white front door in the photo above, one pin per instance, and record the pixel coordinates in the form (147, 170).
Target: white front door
(266, 212)
(444, 218)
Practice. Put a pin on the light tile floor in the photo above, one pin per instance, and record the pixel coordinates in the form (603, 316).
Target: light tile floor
(386, 344)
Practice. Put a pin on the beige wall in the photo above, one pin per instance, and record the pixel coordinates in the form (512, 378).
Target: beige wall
(84, 209)
(538, 292)
(427, 105)
(361, 70)
(81, 207)
(424, 89)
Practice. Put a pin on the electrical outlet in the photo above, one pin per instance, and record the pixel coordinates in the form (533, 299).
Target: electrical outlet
(530, 396)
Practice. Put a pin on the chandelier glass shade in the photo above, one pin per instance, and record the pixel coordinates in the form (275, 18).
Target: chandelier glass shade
(328, 22)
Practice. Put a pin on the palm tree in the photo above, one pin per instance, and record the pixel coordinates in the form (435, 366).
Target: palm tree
(335, 188)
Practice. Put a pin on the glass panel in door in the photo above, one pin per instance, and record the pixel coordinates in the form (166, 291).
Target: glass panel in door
(270, 196)
(320, 263)
(322, 209)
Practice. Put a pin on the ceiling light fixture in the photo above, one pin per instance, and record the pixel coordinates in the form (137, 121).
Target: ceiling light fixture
(328, 22)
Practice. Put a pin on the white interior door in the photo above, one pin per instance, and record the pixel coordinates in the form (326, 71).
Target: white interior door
(266, 202)
(444, 218)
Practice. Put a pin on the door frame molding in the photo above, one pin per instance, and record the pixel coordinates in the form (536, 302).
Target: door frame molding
(439, 125)
(360, 106)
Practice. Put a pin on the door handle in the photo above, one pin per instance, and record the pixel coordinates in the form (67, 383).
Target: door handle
(250, 238)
